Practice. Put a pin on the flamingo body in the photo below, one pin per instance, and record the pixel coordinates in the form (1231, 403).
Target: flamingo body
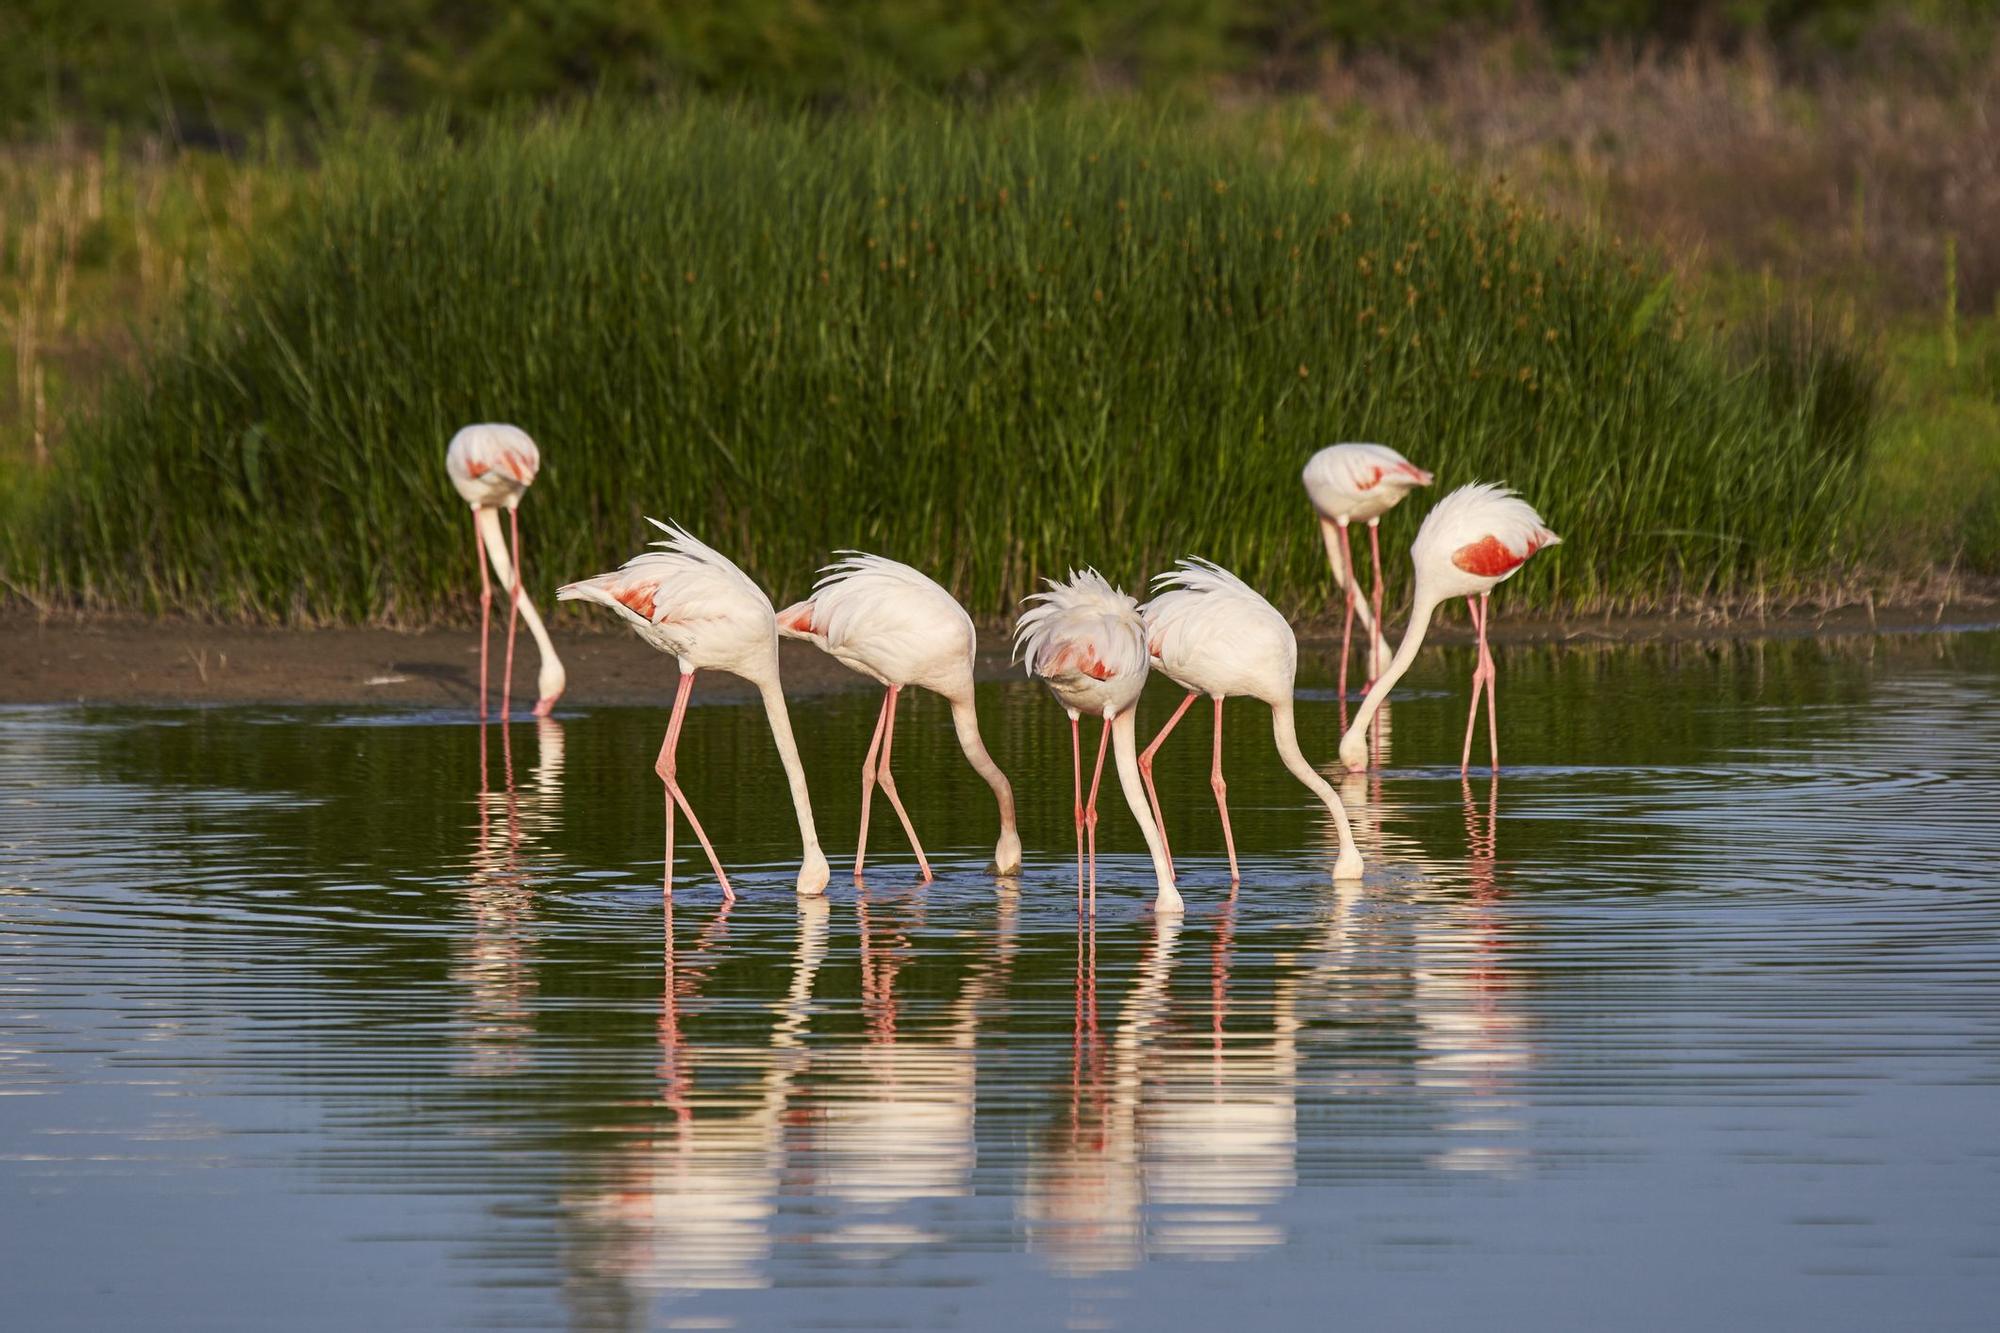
(491, 466)
(692, 602)
(1358, 483)
(1472, 541)
(897, 626)
(888, 621)
(1211, 633)
(1085, 640)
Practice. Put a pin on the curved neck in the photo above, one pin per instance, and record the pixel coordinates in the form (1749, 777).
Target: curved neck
(788, 755)
(965, 720)
(503, 568)
(1353, 744)
(1343, 572)
(1126, 750)
(1284, 731)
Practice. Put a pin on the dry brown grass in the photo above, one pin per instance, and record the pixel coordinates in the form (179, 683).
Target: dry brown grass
(1845, 181)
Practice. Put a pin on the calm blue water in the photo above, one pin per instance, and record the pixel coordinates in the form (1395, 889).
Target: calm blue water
(1690, 1019)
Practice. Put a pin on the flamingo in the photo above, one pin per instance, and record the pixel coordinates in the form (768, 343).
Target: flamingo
(492, 466)
(1086, 642)
(1474, 540)
(1353, 483)
(1211, 633)
(889, 621)
(693, 602)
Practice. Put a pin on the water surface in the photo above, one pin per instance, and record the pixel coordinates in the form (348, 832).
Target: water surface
(1690, 1018)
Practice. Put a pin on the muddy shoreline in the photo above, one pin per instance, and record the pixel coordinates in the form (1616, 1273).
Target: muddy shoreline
(123, 661)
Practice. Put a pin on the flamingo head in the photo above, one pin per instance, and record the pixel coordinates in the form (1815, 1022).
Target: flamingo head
(1007, 855)
(550, 685)
(813, 874)
(1354, 752)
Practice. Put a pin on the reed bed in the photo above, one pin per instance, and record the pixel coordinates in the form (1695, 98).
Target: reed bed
(993, 343)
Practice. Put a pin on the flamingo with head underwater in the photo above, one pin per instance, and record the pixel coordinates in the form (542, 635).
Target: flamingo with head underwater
(1211, 633)
(1358, 483)
(1471, 542)
(694, 603)
(893, 623)
(1085, 640)
(492, 466)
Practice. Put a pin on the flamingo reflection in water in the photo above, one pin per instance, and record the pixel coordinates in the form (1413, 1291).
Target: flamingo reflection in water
(687, 1203)
(494, 966)
(1473, 1035)
(895, 1113)
(1170, 1143)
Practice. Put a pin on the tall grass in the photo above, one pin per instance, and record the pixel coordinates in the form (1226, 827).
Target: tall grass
(995, 344)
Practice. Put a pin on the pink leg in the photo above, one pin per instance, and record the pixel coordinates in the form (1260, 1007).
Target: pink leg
(1076, 765)
(513, 618)
(1479, 681)
(1146, 772)
(1221, 790)
(868, 787)
(1486, 660)
(1090, 811)
(1375, 631)
(1347, 582)
(888, 781)
(664, 765)
(485, 607)
(665, 769)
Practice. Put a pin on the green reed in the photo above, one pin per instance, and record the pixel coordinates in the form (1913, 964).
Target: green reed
(996, 344)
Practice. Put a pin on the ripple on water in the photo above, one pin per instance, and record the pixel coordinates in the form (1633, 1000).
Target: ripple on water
(293, 977)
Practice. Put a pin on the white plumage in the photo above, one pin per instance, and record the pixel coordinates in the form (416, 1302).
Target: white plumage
(1213, 634)
(1085, 640)
(1476, 538)
(1359, 482)
(691, 601)
(897, 626)
(492, 463)
(491, 466)
(1472, 541)
(1087, 643)
(889, 622)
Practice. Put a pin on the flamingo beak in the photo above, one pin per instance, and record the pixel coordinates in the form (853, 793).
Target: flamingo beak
(546, 705)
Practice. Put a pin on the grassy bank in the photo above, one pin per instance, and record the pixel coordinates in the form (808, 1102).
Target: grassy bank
(992, 343)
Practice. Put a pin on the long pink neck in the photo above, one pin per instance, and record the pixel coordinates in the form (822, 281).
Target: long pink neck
(1354, 745)
(503, 568)
(965, 720)
(1343, 573)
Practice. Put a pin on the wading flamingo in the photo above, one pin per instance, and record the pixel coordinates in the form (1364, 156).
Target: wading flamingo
(692, 602)
(892, 623)
(1211, 633)
(1086, 642)
(492, 466)
(1470, 543)
(1358, 483)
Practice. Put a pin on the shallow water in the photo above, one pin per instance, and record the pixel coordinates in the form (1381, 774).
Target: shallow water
(1691, 1018)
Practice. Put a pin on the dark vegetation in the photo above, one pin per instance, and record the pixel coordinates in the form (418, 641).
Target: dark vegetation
(256, 260)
